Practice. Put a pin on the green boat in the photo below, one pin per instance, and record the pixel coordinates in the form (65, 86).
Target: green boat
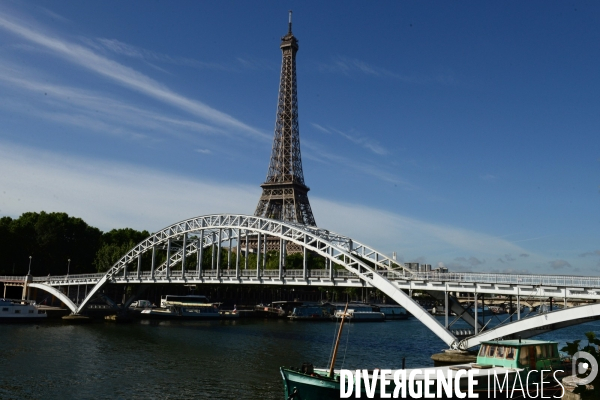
(505, 369)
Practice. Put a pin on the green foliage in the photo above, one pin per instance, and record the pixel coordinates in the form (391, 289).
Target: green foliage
(109, 254)
(593, 392)
(50, 239)
(294, 261)
(125, 235)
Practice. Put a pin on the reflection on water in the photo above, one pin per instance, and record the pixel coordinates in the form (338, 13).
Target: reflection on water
(197, 360)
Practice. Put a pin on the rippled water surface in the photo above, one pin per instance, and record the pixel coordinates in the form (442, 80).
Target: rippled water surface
(199, 360)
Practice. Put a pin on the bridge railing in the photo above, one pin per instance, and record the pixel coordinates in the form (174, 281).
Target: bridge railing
(12, 278)
(509, 279)
(66, 278)
(459, 277)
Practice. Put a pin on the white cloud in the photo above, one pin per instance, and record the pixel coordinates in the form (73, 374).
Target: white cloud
(124, 75)
(128, 50)
(364, 142)
(93, 110)
(348, 66)
(108, 194)
(316, 153)
(113, 195)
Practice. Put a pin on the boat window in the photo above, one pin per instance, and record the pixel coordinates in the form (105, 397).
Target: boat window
(30, 311)
(500, 352)
(510, 353)
(4, 308)
(524, 356)
(491, 351)
(17, 311)
(483, 350)
(551, 351)
(540, 352)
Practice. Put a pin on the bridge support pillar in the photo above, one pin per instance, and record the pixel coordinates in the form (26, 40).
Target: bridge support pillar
(476, 316)
(212, 249)
(304, 261)
(330, 262)
(281, 246)
(264, 260)
(219, 253)
(200, 253)
(518, 305)
(183, 255)
(229, 250)
(139, 268)
(153, 264)
(258, 257)
(168, 268)
(246, 252)
(237, 254)
(25, 294)
(446, 309)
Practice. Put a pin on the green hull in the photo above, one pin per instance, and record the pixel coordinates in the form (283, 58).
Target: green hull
(299, 386)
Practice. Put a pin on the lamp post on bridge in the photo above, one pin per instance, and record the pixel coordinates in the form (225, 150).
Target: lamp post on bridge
(68, 266)
(29, 272)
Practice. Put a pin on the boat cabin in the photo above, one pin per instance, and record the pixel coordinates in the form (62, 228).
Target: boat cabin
(532, 354)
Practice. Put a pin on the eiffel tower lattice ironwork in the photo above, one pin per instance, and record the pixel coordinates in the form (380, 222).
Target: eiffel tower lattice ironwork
(284, 195)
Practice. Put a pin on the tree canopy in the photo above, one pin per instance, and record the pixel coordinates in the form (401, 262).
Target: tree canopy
(51, 239)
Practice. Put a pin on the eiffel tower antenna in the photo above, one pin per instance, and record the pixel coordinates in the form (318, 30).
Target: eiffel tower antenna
(284, 195)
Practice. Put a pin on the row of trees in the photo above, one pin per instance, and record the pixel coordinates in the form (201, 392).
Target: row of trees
(49, 240)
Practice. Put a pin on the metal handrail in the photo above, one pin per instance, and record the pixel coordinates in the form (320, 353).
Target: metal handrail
(458, 277)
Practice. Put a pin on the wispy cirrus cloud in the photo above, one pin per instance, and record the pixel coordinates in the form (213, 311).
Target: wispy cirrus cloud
(316, 153)
(256, 64)
(595, 253)
(123, 194)
(352, 66)
(128, 50)
(559, 264)
(320, 128)
(95, 111)
(123, 75)
(127, 195)
(349, 66)
(472, 261)
(358, 139)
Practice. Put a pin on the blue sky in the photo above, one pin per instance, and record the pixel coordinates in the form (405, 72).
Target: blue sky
(462, 134)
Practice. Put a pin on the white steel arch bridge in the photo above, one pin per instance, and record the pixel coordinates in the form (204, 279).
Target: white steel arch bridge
(362, 266)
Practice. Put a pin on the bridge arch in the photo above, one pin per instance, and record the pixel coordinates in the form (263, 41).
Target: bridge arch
(363, 261)
(56, 293)
(536, 325)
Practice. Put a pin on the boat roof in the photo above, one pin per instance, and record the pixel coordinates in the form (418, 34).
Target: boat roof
(517, 342)
(283, 302)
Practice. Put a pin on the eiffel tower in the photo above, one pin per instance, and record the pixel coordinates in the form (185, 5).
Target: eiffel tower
(284, 195)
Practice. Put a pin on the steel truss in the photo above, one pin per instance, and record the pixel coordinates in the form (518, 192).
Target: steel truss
(363, 266)
(359, 259)
(284, 195)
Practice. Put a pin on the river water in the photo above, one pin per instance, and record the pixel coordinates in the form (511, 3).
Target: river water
(201, 359)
